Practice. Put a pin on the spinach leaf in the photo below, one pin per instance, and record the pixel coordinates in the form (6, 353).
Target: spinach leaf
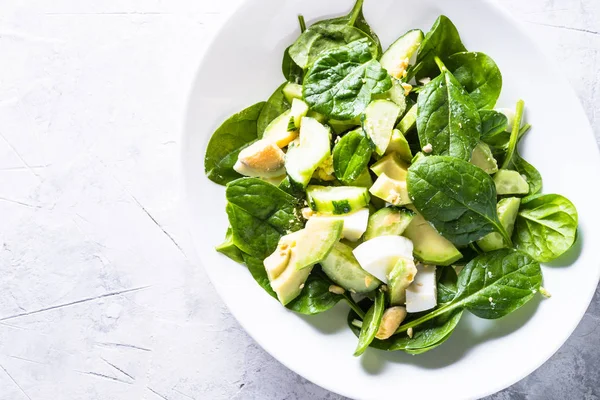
(479, 75)
(442, 41)
(229, 248)
(546, 226)
(493, 127)
(531, 174)
(291, 71)
(341, 82)
(446, 284)
(447, 118)
(458, 198)
(237, 132)
(490, 286)
(276, 105)
(351, 156)
(315, 297)
(514, 135)
(258, 272)
(332, 33)
(370, 324)
(259, 214)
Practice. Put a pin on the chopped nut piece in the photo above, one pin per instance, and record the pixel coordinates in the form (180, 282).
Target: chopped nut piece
(336, 289)
(391, 320)
(407, 88)
(368, 280)
(409, 332)
(544, 292)
(384, 288)
(428, 148)
(301, 286)
(307, 212)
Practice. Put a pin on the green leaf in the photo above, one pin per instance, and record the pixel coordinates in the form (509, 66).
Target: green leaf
(237, 132)
(442, 41)
(229, 248)
(546, 226)
(332, 33)
(447, 118)
(514, 135)
(493, 128)
(275, 106)
(370, 324)
(341, 82)
(315, 297)
(258, 272)
(479, 75)
(531, 174)
(259, 214)
(495, 284)
(446, 284)
(458, 198)
(351, 156)
(291, 71)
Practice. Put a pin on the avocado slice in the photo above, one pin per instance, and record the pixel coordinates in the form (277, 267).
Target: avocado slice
(290, 264)
(408, 121)
(429, 246)
(399, 278)
(510, 182)
(483, 158)
(392, 166)
(388, 221)
(391, 190)
(399, 144)
(508, 209)
(342, 268)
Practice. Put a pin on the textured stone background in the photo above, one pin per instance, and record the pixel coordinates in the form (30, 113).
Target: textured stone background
(99, 295)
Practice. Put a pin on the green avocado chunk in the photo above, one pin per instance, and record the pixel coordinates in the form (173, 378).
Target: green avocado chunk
(429, 246)
(508, 209)
(399, 278)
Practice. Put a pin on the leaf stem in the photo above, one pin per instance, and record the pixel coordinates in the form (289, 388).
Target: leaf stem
(427, 317)
(354, 306)
(356, 10)
(440, 64)
(302, 23)
(514, 135)
(524, 129)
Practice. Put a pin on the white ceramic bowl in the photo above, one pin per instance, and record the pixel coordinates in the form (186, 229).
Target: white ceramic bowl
(242, 67)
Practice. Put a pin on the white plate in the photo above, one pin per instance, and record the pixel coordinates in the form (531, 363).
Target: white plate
(242, 67)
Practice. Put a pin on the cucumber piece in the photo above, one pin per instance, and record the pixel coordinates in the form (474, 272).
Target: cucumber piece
(510, 182)
(395, 94)
(391, 190)
(318, 116)
(340, 127)
(508, 209)
(342, 268)
(399, 278)
(363, 180)
(429, 246)
(483, 158)
(399, 145)
(380, 117)
(388, 221)
(397, 57)
(277, 131)
(298, 110)
(337, 199)
(292, 91)
(304, 157)
(408, 121)
(355, 223)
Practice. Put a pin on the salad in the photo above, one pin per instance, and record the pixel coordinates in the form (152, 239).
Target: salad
(388, 180)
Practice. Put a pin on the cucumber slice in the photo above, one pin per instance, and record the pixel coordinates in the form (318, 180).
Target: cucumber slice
(292, 91)
(388, 221)
(380, 117)
(395, 94)
(510, 182)
(483, 158)
(397, 57)
(399, 278)
(340, 127)
(304, 157)
(399, 144)
(342, 268)
(337, 199)
(408, 121)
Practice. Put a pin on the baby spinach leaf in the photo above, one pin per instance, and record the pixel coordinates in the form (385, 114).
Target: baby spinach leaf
(458, 198)
(258, 272)
(546, 226)
(493, 127)
(229, 248)
(370, 324)
(291, 71)
(447, 117)
(237, 132)
(332, 33)
(479, 75)
(275, 106)
(442, 41)
(259, 214)
(341, 82)
(446, 284)
(315, 297)
(351, 155)
(531, 174)
(514, 135)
